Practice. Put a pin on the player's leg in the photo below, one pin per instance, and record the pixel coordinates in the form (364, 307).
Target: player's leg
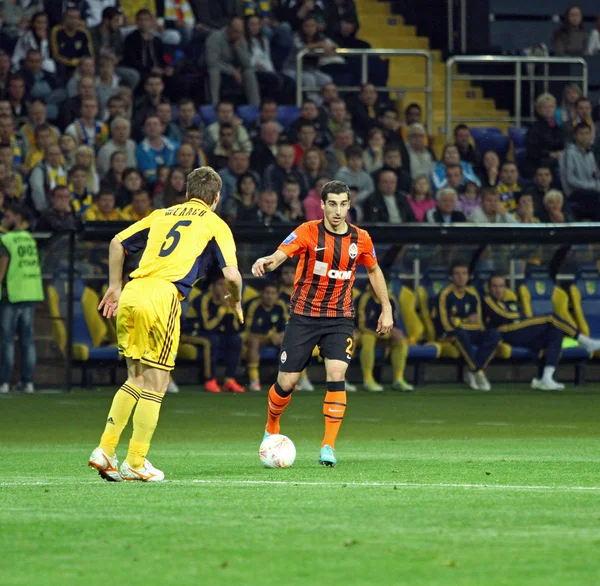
(231, 346)
(300, 337)
(368, 343)
(590, 344)
(461, 339)
(488, 342)
(253, 344)
(8, 329)
(399, 352)
(214, 344)
(549, 338)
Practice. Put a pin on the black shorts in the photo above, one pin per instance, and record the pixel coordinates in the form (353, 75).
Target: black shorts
(333, 335)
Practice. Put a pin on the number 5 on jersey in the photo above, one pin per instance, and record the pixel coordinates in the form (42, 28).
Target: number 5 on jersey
(175, 235)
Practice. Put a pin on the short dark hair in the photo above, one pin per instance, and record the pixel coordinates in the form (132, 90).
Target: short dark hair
(224, 126)
(270, 283)
(204, 184)
(18, 209)
(110, 12)
(143, 12)
(411, 107)
(56, 189)
(489, 190)
(505, 163)
(75, 168)
(460, 127)
(105, 192)
(353, 150)
(458, 263)
(306, 125)
(497, 275)
(334, 187)
(582, 99)
(144, 191)
(224, 103)
(581, 126)
(268, 101)
(291, 180)
(391, 148)
(194, 128)
(454, 166)
(184, 101)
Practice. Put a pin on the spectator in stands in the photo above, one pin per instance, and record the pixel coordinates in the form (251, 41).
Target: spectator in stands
(451, 156)
(310, 114)
(4, 71)
(314, 74)
(338, 116)
(139, 208)
(467, 150)
(421, 160)
(242, 201)
(583, 113)
(458, 317)
(387, 204)
(218, 323)
(313, 165)
(186, 158)
(68, 146)
(268, 113)
(164, 111)
(312, 202)
(468, 198)
(413, 114)
(81, 197)
(337, 13)
(581, 178)
(542, 181)
(389, 123)
(146, 104)
(108, 42)
(88, 130)
(566, 112)
(103, 210)
(16, 20)
(545, 139)
(373, 154)
(265, 148)
(307, 135)
(37, 115)
(335, 153)
(115, 107)
(40, 84)
(524, 212)
(445, 212)
(85, 68)
(113, 179)
(224, 147)
(277, 172)
(329, 94)
(7, 135)
(70, 42)
(174, 192)
(510, 185)
(421, 197)
(491, 210)
(554, 210)
(132, 181)
(354, 174)
(107, 81)
(265, 212)
(266, 317)
(186, 115)
(59, 216)
(228, 59)
(6, 159)
(70, 108)
(489, 172)
(289, 202)
(272, 84)
(593, 47)
(21, 278)
(211, 16)
(45, 176)
(43, 139)
(570, 38)
(84, 155)
(143, 50)
(154, 150)
(365, 110)
(226, 115)
(15, 94)
(120, 132)
(238, 165)
(392, 161)
(193, 137)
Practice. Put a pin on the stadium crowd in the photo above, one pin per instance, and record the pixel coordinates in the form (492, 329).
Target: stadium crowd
(106, 108)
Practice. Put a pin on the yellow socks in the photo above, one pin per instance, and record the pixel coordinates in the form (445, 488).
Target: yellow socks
(399, 356)
(253, 371)
(334, 408)
(367, 355)
(277, 405)
(123, 403)
(145, 419)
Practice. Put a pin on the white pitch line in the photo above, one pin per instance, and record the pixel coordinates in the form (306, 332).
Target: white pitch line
(341, 484)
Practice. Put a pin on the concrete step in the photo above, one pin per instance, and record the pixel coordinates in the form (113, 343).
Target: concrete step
(388, 26)
(397, 42)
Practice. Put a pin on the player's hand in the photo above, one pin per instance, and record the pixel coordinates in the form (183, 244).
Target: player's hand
(385, 322)
(473, 319)
(237, 307)
(110, 302)
(259, 268)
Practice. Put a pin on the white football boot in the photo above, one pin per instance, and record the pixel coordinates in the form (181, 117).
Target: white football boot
(107, 467)
(350, 388)
(471, 380)
(304, 384)
(483, 384)
(147, 473)
(540, 384)
(172, 387)
(4, 389)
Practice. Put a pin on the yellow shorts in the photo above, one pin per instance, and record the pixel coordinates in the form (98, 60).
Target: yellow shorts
(148, 322)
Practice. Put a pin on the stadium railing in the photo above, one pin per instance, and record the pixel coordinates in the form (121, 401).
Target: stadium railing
(410, 254)
(518, 77)
(364, 54)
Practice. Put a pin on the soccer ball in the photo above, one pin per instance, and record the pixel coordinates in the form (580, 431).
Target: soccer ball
(277, 451)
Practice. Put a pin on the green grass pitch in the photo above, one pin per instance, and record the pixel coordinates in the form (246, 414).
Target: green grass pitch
(442, 487)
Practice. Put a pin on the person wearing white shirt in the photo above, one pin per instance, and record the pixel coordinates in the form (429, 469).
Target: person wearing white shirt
(492, 210)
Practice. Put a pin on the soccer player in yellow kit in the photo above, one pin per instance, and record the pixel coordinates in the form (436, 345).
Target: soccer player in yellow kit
(178, 243)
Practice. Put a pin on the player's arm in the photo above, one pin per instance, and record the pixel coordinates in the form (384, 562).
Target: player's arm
(266, 264)
(443, 311)
(233, 282)
(377, 280)
(228, 262)
(116, 259)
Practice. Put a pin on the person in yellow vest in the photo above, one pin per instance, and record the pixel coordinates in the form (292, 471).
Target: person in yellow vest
(20, 290)
(139, 208)
(103, 210)
(81, 198)
(43, 139)
(6, 159)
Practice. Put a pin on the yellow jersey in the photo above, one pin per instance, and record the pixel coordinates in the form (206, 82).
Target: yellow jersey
(129, 213)
(179, 244)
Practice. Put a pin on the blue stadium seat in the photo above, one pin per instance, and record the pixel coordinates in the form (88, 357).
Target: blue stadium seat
(248, 114)
(287, 115)
(491, 139)
(520, 157)
(585, 294)
(517, 136)
(208, 114)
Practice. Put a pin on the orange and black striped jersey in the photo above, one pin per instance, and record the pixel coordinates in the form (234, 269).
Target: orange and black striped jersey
(327, 267)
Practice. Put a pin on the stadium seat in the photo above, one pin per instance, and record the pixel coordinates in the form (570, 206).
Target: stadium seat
(208, 114)
(287, 115)
(585, 297)
(248, 114)
(517, 136)
(520, 157)
(490, 139)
